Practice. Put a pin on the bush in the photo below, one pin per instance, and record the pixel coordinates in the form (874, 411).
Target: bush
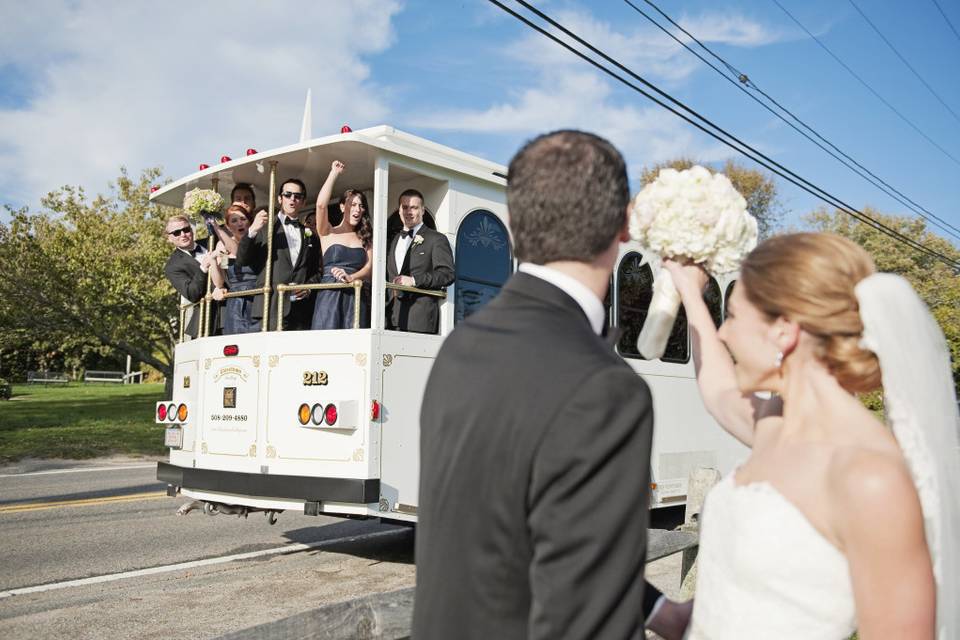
(5, 390)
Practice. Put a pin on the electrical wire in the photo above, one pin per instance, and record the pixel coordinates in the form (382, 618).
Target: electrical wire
(946, 19)
(720, 134)
(864, 83)
(904, 61)
(742, 80)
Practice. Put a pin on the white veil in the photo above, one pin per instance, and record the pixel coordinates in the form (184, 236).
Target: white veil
(921, 406)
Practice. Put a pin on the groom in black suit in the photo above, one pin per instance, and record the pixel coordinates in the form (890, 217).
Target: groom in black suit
(295, 258)
(535, 435)
(417, 257)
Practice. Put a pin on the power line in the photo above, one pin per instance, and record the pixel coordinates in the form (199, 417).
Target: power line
(743, 80)
(946, 19)
(904, 61)
(864, 83)
(721, 135)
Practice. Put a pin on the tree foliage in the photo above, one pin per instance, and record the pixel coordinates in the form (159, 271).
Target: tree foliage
(936, 283)
(757, 188)
(84, 277)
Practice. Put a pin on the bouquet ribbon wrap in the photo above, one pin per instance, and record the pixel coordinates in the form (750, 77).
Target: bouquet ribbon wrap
(661, 315)
(688, 215)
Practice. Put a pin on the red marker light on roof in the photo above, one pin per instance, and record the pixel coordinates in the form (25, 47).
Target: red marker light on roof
(154, 188)
(330, 414)
(204, 166)
(225, 158)
(251, 152)
(345, 129)
(375, 410)
(231, 350)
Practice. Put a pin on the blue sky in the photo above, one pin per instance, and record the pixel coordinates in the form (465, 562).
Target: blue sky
(86, 87)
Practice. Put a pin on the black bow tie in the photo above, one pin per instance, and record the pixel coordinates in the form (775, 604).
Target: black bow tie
(292, 221)
(198, 250)
(406, 234)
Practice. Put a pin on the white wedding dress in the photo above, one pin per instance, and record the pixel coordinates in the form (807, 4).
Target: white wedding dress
(765, 572)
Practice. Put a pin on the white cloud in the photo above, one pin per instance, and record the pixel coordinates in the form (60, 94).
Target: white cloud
(733, 30)
(141, 84)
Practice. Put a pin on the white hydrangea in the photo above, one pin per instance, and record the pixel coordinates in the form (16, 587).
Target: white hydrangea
(697, 215)
(199, 201)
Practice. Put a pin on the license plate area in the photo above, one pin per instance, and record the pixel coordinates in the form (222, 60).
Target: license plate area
(173, 437)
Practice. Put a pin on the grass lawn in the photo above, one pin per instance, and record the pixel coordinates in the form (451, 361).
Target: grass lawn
(78, 420)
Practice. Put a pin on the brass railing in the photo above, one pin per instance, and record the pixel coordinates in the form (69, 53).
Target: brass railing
(426, 292)
(356, 285)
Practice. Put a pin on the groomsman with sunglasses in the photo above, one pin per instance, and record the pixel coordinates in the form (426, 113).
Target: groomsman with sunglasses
(187, 268)
(295, 258)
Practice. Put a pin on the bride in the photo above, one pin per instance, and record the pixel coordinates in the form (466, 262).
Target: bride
(835, 522)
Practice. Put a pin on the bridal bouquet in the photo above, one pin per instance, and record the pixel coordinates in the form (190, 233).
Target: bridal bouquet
(200, 201)
(692, 215)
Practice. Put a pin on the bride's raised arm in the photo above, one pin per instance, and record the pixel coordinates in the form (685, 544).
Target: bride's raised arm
(736, 412)
(323, 198)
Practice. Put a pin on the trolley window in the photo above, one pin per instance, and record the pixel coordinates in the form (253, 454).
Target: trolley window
(483, 262)
(714, 300)
(634, 292)
(726, 298)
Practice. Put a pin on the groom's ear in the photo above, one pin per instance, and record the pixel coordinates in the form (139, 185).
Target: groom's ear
(625, 229)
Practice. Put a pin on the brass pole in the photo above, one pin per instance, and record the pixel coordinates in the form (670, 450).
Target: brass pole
(205, 314)
(281, 294)
(357, 286)
(268, 268)
(183, 316)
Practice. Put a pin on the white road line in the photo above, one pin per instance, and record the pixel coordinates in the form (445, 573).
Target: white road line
(79, 470)
(293, 548)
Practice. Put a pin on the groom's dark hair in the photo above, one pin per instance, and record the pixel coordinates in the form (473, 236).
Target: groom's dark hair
(567, 195)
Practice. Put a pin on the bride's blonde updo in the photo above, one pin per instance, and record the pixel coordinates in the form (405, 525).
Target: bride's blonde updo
(809, 279)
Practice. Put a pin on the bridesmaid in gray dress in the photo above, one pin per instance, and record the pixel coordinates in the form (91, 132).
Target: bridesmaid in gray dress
(347, 256)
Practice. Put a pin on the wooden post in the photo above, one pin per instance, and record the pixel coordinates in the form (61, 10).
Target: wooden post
(698, 486)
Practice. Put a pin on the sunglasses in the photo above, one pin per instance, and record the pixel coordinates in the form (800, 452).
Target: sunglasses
(176, 232)
(292, 195)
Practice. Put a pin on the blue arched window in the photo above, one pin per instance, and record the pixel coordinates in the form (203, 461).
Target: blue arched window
(483, 261)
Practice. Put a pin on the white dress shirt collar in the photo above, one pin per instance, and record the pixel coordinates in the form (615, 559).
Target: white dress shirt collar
(592, 305)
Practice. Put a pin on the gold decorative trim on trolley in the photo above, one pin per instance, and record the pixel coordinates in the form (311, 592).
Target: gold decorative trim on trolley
(356, 285)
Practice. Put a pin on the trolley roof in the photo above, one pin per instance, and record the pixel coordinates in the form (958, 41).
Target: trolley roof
(304, 160)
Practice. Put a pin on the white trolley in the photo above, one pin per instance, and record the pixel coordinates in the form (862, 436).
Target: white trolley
(328, 421)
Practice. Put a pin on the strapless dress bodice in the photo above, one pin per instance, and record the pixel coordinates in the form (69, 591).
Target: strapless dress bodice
(765, 572)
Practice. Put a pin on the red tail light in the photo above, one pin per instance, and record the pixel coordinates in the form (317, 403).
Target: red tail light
(161, 412)
(330, 414)
(375, 410)
(231, 350)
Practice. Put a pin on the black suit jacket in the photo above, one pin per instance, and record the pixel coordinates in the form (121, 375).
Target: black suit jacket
(252, 252)
(184, 273)
(431, 265)
(534, 473)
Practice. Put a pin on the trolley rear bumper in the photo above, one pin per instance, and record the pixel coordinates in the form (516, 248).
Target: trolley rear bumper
(306, 488)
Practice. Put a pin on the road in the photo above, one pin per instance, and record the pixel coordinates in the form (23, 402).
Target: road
(96, 550)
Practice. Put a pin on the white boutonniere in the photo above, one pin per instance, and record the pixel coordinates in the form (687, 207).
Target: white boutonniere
(307, 233)
(418, 239)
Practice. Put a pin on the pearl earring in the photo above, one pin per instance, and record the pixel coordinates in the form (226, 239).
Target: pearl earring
(778, 361)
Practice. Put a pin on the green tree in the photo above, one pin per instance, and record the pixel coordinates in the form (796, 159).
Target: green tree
(757, 188)
(84, 276)
(936, 283)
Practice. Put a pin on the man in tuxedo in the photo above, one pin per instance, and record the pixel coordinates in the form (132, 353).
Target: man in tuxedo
(187, 268)
(418, 257)
(535, 435)
(295, 258)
